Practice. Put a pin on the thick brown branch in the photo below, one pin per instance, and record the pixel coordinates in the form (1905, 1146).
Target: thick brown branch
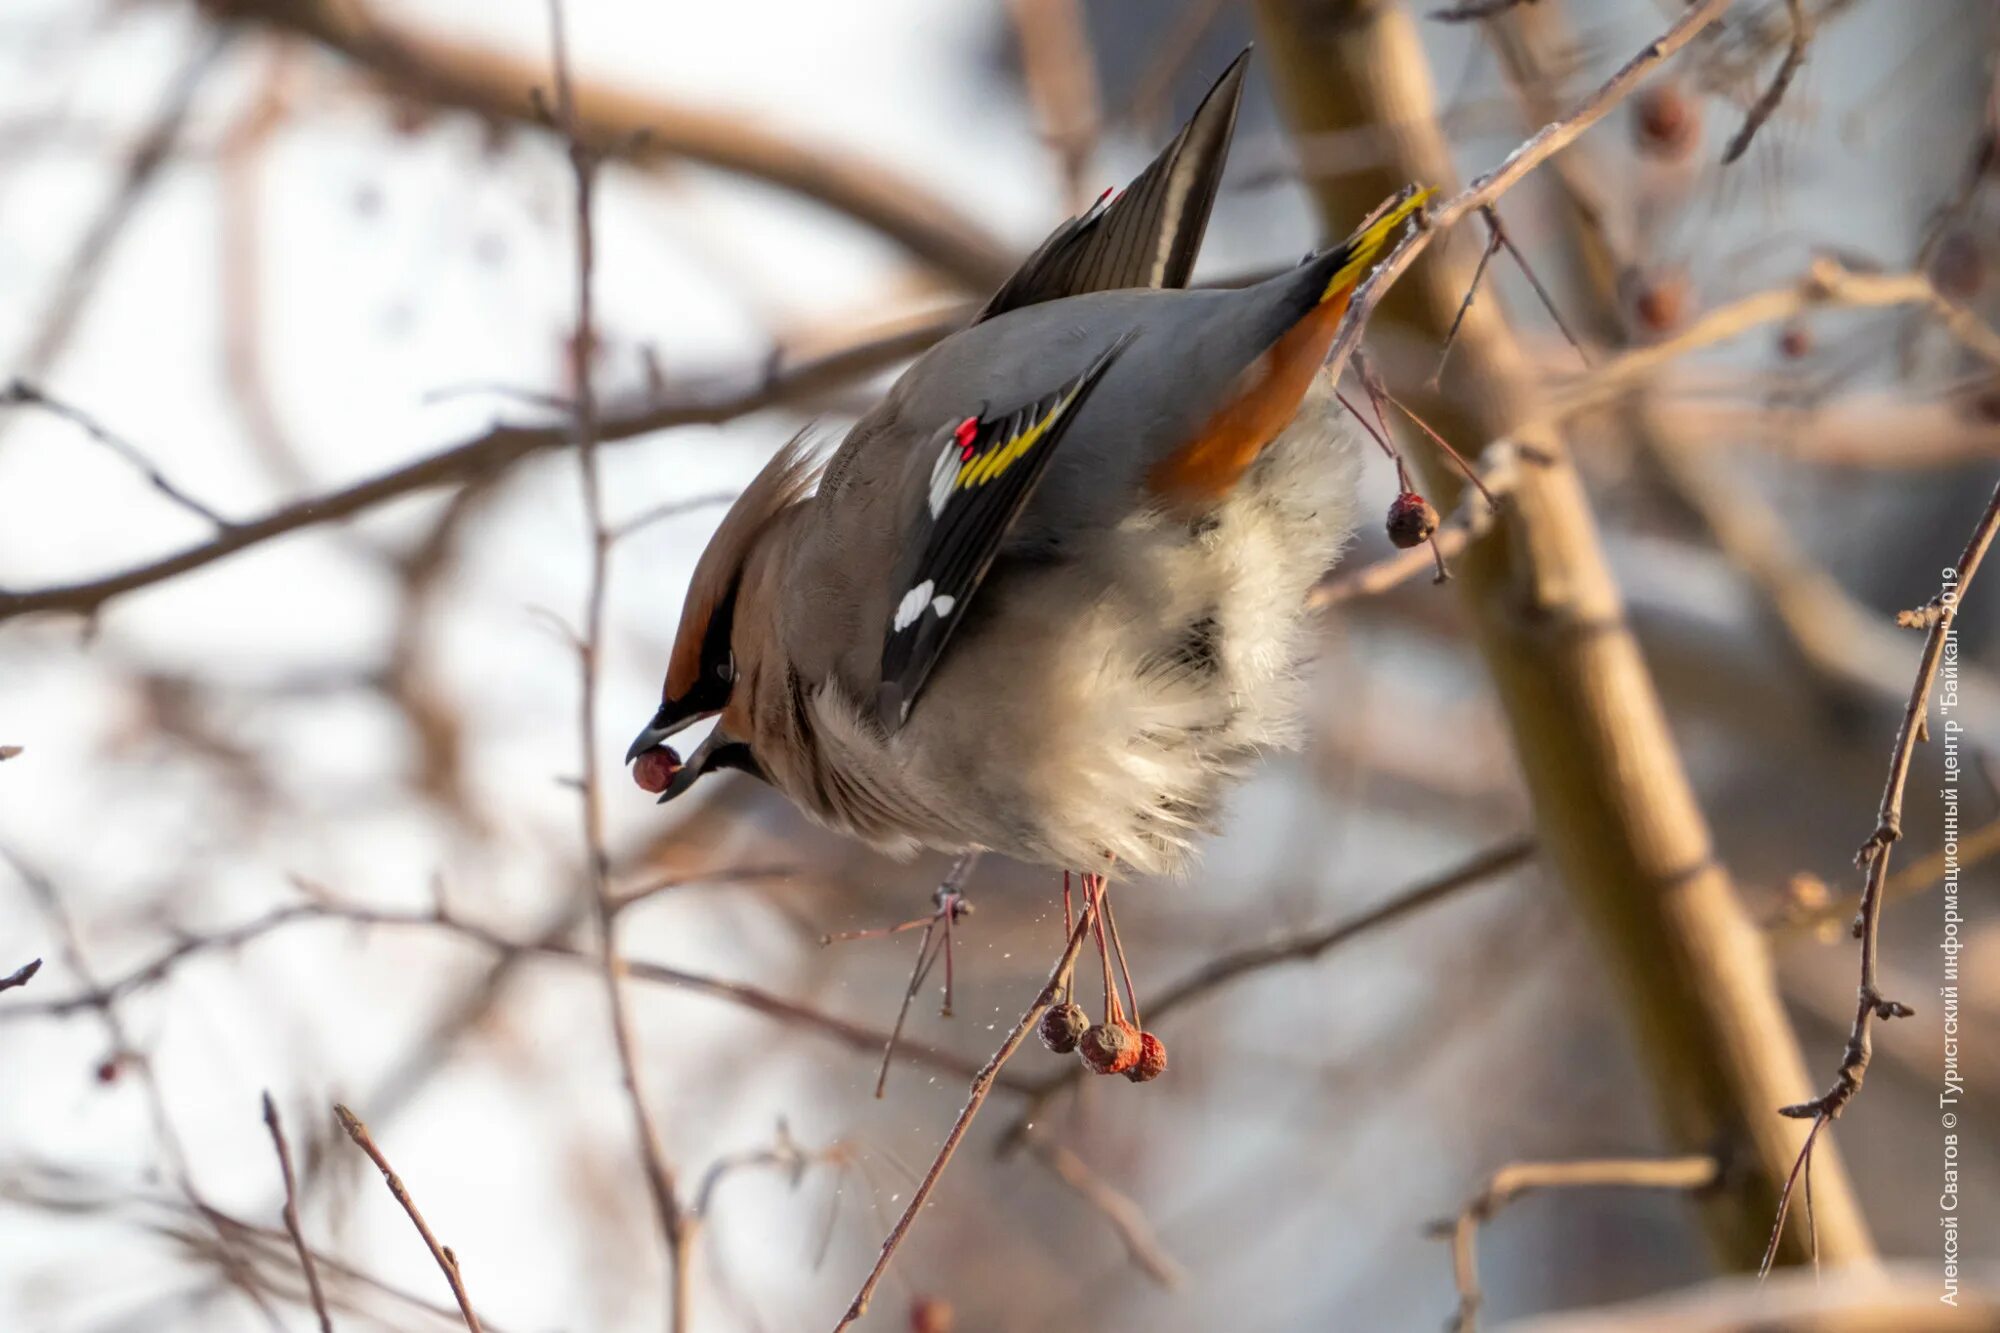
(637, 127)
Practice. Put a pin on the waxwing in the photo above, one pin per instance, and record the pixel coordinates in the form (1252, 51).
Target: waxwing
(1046, 598)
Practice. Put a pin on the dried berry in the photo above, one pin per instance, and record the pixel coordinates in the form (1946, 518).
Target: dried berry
(655, 768)
(928, 1314)
(1958, 269)
(1794, 342)
(1659, 301)
(1665, 122)
(1411, 520)
(1109, 1048)
(1062, 1026)
(1152, 1061)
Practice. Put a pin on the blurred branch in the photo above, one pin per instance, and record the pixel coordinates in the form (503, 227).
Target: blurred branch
(856, 1036)
(20, 393)
(1617, 815)
(446, 1260)
(1788, 68)
(661, 1182)
(1483, 868)
(1471, 11)
(1125, 1216)
(1510, 1182)
(498, 448)
(1827, 284)
(1904, 1300)
(1146, 107)
(311, 1270)
(1061, 73)
(142, 168)
(614, 122)
(125, 1054)
(1920, 876)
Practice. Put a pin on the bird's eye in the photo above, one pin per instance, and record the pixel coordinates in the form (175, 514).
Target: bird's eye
(725, 670)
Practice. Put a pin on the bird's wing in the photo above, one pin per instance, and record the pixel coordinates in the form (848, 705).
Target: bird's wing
(1148, 235)
(982, 471)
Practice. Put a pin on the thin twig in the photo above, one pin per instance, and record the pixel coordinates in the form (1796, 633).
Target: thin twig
(855, 1036)
(1501, 238)
(676, 1233)
(446, 1260)
(1873, 857)
(292, 1227)
(1486, 254)
(982, 1084)
(1795, 56)
(1125, 1216)
(646, 129)
(19, 393)
(1471, 11)
(1512, 1181)
(21, 975)
(1544, 144)
(143, 164)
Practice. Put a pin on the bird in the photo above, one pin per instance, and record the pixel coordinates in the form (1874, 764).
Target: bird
(1047, 598)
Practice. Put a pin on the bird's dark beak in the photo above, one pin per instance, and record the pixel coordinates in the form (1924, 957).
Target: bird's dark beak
(668, 721)
(720, 750)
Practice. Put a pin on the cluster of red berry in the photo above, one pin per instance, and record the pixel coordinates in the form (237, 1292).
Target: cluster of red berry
(1114, 1047)
(1117, 1045)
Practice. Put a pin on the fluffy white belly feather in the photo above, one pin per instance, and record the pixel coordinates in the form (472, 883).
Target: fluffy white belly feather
(1100, 706)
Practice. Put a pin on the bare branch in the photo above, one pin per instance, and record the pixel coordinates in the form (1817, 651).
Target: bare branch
(661, 1185)
(21, 975)
(1512, 1181)
(855, 1036)
(1795, 56)
(1125, 1216)
(19, 393)
(292, 1227)
(1874, 854)
(498, 448)
(446, 1260)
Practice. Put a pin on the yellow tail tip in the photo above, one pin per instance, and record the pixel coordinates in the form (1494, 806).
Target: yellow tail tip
(1365, 245)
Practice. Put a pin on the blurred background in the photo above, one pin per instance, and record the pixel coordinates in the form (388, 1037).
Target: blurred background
(314, 806)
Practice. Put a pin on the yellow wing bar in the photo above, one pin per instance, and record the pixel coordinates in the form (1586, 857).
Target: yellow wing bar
(1363, 247)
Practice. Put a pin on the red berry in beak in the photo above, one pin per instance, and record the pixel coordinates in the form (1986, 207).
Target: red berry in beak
(655, 768)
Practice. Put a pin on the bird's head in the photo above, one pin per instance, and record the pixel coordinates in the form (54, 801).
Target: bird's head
(723, 621)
